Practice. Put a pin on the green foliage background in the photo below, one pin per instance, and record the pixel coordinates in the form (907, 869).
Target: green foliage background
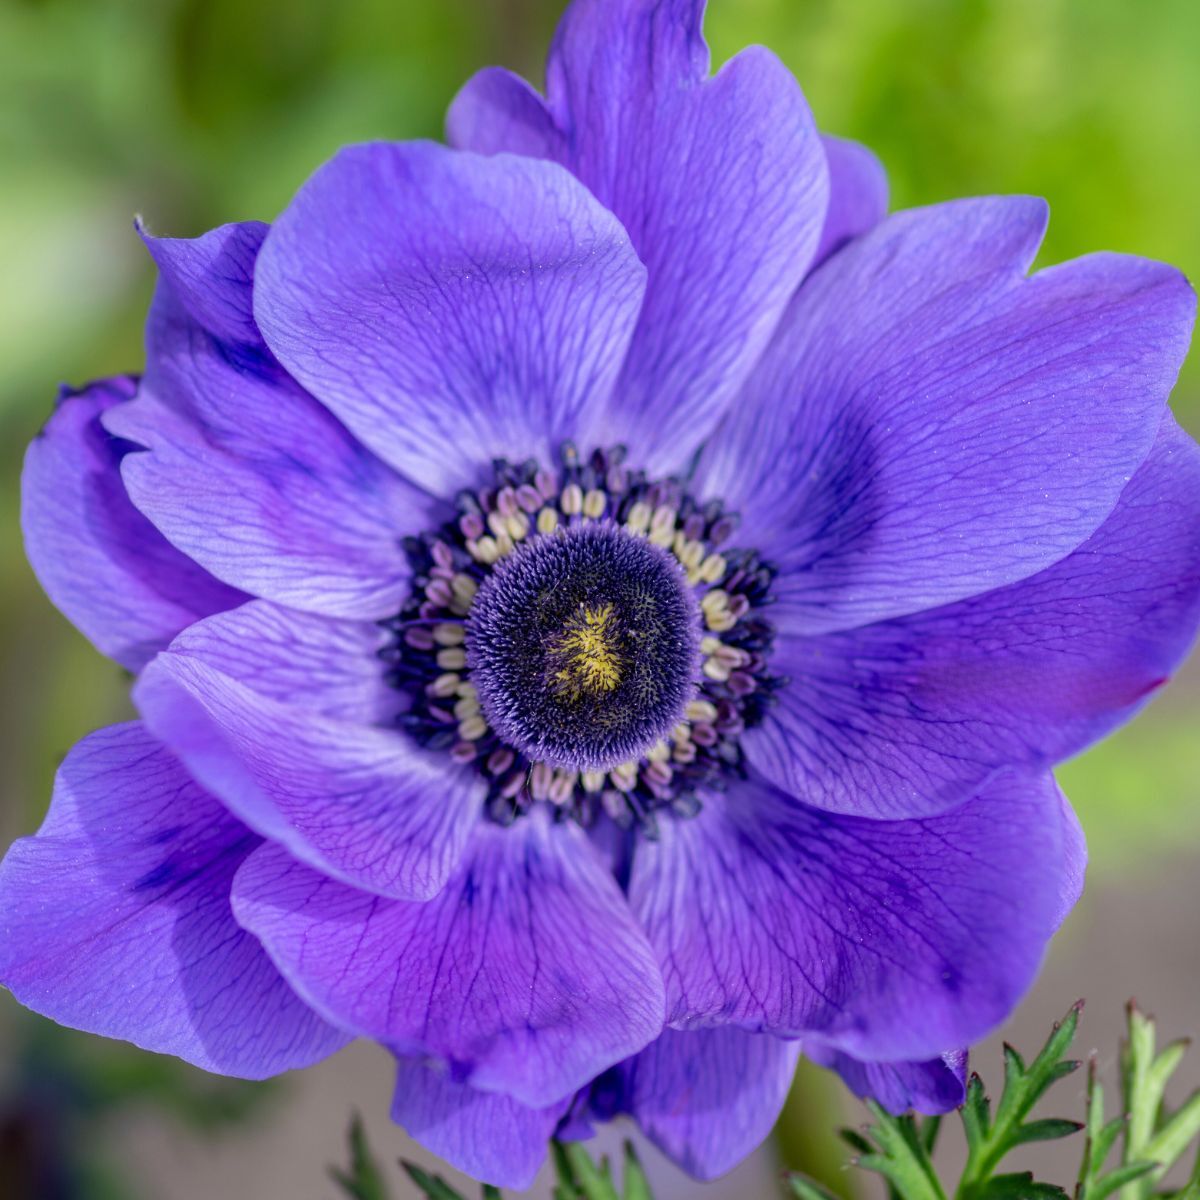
(196, 112)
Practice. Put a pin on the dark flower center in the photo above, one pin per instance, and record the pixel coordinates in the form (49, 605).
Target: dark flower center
(582, 637)
(583, 646)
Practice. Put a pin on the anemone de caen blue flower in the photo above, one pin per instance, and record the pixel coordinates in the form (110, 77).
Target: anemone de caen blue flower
(605, 601)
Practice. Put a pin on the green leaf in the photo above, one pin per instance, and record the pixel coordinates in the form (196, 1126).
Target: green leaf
(806, 1189)
(1152, 1136)
(855, 1141)
(929, 1133)
(591, 1182)
(976, 1111)
(636, 1185)
(1020, 1186)
(989, 1139)
(900, 1156)
(1174, 1137)
(1046, 1130)
(363, 1180)
(434, 1187)
(1118, 1178)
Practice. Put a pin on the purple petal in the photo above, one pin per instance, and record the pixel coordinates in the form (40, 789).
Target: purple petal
(888, 939)
(858, 195)
(721, 183)
(706, 1098)
(365, 805)
(910, 716)
(108, 570)
(493, 1138)
(527, 975)
(245, 472)
(330, 666)
(1074, 862)
(117, 918)
(938, 1085)
(449, 308)
(930, 424)
(209, 278)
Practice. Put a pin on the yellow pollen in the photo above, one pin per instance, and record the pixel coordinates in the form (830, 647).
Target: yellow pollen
(590, 660)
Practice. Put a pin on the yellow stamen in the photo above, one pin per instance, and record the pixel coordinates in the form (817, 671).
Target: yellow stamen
(588, 652)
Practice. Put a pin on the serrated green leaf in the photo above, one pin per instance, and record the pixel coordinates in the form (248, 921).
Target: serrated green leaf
(362, 1181)
(1176, 1134)
(1119, 1177)
(806, 1189)
(1062, 1070)
(563, 1171)
(930, 1128)
(433, 1186)
(1106, 1139)
(637, 1186)
(976, 1112)
(1140, 1102)
(591, 1181)
(901, 1159)
(491, 1193)
(1166, 1064)
(856, 1141)
(1046, 1130)
(988, 1143)
(1020, 1186)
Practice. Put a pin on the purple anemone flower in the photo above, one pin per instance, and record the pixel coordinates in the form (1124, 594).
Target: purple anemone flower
(605, 601)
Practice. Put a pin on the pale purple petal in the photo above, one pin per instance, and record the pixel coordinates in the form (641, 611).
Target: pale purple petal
(721, 183)
(330, 666)
(362, 804)
(492, 1137)
(930, 424)
(244, 471)
(109, 571)
(117, 918)
(888, 939)
(449, 308)
(910, 716)
(858, 194)
(497, 112)
(937, 1085)
(1074, 862)
(527, 975)
(706, 1098)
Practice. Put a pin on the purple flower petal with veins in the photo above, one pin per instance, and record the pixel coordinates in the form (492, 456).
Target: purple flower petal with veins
(606, 602)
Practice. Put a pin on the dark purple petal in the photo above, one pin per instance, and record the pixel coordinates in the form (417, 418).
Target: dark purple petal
(888, 939)
(244, 471)
(721, 183)
(493, 1138)
(117, 918)
(450, 308)
(324, 664)
(706, 1098)
(108, 570)
(858, 194)
(910, 716)
(527, 975)
(363, 804)
(938, 1085)
(930, 424)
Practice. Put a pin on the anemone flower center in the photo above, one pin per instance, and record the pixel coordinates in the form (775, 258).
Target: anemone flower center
(583, 646)
(582, 635)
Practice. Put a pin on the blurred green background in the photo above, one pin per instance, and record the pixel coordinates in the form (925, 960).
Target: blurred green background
(197, 112)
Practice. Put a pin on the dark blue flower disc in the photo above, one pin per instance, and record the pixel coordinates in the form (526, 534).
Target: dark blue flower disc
(583, 646)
